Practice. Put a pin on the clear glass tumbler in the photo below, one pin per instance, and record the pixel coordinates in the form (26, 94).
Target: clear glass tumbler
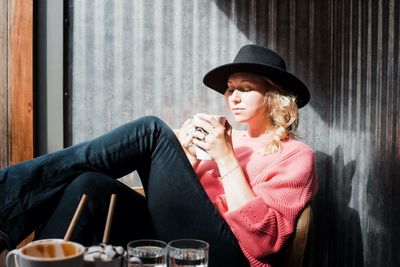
(188, 253)
(147, 253)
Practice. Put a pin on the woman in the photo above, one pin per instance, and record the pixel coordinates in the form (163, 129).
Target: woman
(244, 202)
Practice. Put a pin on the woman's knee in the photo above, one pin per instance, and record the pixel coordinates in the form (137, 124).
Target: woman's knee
(92, 183)
(151, 120)
(154, 123)
(97, 186)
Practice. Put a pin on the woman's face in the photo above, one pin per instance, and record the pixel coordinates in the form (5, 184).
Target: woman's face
(245, 97)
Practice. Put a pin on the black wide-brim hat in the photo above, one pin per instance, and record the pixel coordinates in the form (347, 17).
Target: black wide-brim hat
(262, 61)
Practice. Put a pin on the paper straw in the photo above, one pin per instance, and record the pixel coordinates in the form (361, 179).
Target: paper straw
(76, 217)
(106, 234)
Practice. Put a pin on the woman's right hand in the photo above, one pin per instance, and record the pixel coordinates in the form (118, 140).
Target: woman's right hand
(185, 137)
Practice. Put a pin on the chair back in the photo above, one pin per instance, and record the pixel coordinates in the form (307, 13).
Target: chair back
(294, 251)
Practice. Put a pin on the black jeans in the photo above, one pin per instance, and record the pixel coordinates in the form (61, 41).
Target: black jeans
(43, 193)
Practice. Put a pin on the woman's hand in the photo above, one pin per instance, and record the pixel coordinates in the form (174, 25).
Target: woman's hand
(216, 139)
(218, 143)
(185, 137)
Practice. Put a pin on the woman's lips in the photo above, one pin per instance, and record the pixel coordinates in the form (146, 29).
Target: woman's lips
(237, 110)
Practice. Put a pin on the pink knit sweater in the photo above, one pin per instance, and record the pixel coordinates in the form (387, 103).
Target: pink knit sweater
(284, 182)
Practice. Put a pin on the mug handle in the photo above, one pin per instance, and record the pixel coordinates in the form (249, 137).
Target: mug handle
(11, 259)
(133, 259)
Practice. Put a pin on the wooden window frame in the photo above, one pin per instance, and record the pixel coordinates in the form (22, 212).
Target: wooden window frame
(16, 81)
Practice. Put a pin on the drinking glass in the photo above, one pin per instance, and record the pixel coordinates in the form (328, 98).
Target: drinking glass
(188, 253)
(147, 253)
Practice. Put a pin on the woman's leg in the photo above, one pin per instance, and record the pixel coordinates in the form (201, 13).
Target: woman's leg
(130, 220)
(27, 188)
(178, 204)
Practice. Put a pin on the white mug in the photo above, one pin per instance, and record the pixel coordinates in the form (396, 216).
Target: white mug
(47, 253)
(201, 154)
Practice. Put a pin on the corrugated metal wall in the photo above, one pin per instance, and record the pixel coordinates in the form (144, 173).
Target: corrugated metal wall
(131, 58)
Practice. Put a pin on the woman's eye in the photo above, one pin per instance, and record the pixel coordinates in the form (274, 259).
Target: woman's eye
(231, 90)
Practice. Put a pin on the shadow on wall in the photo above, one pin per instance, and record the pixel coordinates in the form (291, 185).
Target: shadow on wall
(337, 238)
(305, 44)
(383, 204)
(328, 44)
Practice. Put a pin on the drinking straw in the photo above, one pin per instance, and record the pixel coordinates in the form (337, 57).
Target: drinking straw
(74, 220)
(106, 234)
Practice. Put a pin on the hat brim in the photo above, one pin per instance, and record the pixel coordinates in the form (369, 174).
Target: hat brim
(217, 79)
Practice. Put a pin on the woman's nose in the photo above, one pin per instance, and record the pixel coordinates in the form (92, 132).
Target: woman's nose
(236, 96)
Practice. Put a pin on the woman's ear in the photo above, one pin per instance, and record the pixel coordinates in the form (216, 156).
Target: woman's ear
(228, 127)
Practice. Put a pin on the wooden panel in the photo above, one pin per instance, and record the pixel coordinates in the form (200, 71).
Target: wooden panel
(3, 85)
(20, 80)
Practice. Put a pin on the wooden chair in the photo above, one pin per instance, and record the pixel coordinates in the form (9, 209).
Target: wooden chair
(295, 251)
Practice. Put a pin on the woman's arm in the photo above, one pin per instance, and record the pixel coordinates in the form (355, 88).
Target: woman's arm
(265, 212)
(237, 190)
(282, 192)
(218, 143)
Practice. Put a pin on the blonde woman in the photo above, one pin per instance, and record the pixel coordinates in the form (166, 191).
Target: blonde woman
(244, 202)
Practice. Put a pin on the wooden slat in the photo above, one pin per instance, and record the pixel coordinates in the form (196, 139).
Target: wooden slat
(139, 189)
(3, 85)
(16, 84)
(20, 80)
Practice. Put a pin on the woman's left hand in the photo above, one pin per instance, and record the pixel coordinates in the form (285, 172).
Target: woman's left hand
(216, 140)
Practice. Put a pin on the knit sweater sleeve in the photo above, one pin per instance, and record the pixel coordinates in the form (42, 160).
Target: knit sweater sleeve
(264, 224)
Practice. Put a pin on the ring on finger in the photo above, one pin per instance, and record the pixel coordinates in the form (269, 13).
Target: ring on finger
(204, 137)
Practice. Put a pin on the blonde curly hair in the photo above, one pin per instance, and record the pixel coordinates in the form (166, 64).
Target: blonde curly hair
(284, 114)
